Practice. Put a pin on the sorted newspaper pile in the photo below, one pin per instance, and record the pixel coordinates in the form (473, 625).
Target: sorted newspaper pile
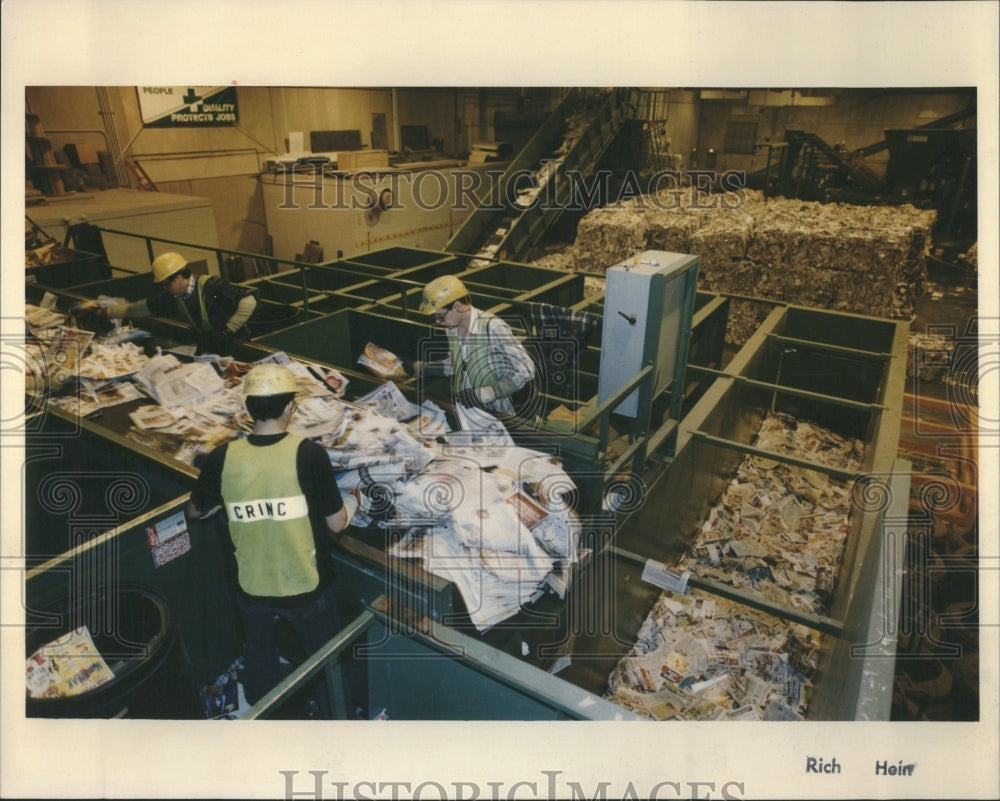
(702, 658)
(486, 530)
(171, 382)
(200, 403)
(67, 348)
(779, 530)
(187, 420)
(92, 396)
(58, 353)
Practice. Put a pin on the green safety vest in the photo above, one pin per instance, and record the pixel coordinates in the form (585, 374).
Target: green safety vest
(478, 364)
(205, 326)
(269, 518)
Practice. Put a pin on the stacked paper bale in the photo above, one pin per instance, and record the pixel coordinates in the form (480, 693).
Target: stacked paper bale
(672, 232)
(722, 242)
(868, 259)
(619, 230)
(862, 259)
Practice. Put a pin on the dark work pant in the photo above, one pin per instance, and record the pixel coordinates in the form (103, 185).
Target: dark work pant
(312, 624)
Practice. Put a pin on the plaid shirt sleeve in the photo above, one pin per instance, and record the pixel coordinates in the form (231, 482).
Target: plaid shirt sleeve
(509, 360)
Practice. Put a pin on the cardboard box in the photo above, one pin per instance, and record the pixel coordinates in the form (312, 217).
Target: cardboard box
(80, 153)
(357, 159)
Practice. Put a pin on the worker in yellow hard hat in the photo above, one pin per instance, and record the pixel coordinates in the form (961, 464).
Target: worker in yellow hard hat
(215, 309)
(280, 496)
(486, 361)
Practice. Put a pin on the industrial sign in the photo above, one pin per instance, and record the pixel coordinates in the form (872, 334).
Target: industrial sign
(187, 106)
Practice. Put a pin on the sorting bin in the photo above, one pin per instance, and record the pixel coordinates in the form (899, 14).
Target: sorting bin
(133, 629)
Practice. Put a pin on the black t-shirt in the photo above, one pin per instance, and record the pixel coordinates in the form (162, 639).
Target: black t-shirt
(319, 485)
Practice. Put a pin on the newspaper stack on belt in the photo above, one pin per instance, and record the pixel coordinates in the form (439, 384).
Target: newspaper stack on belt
(477, 510)
(173, 383)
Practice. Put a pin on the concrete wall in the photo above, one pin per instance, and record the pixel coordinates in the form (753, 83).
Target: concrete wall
(223, 163)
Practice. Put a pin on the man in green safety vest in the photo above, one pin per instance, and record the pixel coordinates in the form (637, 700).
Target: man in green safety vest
(486, 362)
(214, 309)
(280, 496)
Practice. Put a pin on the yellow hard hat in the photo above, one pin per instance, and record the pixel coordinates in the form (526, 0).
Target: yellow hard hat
(166, 265)
(268, 379)
(442, 292)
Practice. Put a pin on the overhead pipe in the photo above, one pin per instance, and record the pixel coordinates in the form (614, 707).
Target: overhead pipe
(395, 122)
(111, 135)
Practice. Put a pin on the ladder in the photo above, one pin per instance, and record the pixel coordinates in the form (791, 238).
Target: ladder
(655, 137)
(143, 181)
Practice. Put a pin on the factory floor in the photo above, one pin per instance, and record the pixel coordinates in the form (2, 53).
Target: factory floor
(937, 664)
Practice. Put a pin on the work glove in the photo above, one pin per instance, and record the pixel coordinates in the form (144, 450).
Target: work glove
(350, 506)
(117, 310)
(476, 396)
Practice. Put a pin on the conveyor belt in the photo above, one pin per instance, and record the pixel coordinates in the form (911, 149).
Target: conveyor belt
(531, 192)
